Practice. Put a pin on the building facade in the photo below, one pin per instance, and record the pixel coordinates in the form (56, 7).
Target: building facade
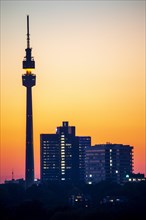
(135, 177)
(50, 157)
(83, 142)
(62, 155)
(110, 162)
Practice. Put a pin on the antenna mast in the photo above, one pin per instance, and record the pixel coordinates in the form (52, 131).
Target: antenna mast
(28, 38)
(12, 175)
(28, 62)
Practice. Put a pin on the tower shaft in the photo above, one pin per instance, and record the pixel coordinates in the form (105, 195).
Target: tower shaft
(28, 80)
(29, 169)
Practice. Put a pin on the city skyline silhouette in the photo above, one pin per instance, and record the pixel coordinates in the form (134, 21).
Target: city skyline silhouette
(90, 71)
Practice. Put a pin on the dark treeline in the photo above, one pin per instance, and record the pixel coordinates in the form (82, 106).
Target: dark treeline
(51, 201)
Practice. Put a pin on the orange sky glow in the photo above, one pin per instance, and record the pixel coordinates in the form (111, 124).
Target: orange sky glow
(90, 71)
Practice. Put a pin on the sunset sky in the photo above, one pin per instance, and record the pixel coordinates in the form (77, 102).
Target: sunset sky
(90, 71)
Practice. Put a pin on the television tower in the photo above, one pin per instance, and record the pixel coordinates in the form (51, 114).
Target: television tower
(28, 80)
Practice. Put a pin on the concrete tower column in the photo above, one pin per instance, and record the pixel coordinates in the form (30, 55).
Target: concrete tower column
(28, 80)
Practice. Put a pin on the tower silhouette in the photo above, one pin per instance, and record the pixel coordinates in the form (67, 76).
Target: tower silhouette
(28, 80)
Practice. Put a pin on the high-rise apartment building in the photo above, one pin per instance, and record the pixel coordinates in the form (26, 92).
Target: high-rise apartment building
(110, 162)
(62, 155)
(50, 157)
(83, 142)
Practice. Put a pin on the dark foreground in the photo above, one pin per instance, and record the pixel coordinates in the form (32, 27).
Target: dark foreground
(57, 201)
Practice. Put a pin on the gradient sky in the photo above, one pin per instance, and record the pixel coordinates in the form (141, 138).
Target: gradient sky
(90, 68)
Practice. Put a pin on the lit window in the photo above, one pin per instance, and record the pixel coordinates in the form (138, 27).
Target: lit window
(62, 178)
(90, 183)
(90, 175)
(117, 171)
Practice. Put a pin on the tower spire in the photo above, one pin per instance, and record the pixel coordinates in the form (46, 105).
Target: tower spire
(28, 35)
(28, 62)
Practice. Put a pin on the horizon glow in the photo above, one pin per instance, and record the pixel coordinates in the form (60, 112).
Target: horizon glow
(90, 71)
